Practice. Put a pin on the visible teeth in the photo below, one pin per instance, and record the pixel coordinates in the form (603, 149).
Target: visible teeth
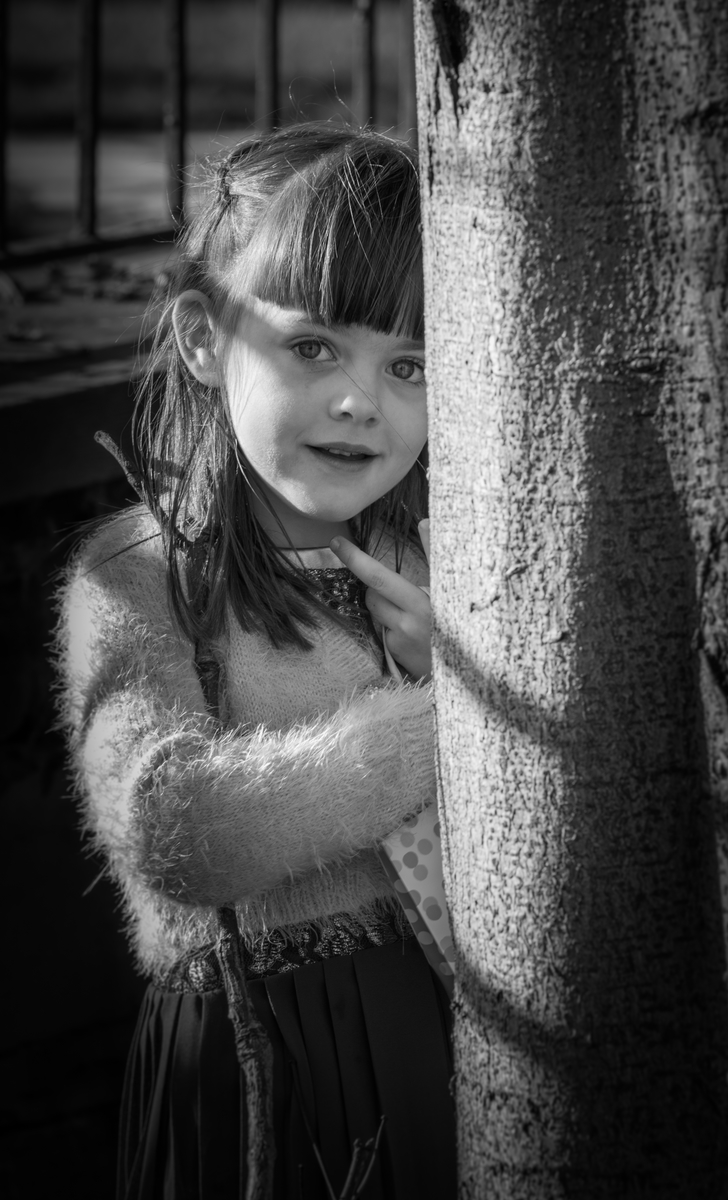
(344, 453)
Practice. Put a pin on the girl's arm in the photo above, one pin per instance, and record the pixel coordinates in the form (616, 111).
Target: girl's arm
(208, 816)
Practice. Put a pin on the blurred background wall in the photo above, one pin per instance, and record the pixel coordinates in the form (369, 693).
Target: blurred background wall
(315, 66)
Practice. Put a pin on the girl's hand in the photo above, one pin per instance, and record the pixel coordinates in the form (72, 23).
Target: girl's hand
(400, 606)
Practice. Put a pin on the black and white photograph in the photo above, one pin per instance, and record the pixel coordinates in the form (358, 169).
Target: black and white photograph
(364, 508)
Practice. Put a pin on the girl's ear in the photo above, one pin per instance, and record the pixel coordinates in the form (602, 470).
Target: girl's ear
(194, 328)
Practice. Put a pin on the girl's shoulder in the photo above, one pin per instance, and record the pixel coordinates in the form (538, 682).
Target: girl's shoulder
(115, 626)
(133, 534)
(120, 566)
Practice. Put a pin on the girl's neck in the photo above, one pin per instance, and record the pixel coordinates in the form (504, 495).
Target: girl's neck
(298, 532)
(313, 557)
(290, 529)
(308, 539)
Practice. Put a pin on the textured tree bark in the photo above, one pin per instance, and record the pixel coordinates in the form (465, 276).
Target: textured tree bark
(680, 164)
(575, 222)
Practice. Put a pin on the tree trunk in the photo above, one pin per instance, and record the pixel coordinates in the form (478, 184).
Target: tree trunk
(575, 222)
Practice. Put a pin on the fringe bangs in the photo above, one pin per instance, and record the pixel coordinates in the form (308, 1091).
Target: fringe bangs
(342, 242)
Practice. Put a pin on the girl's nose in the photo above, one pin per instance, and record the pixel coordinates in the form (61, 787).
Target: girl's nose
(355, 399)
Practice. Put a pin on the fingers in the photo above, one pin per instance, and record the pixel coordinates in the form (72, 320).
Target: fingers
(406, 636)
(382, 610)
(379, 578)
(400, 607)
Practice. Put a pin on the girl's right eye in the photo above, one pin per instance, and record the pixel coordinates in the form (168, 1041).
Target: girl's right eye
(313, 350)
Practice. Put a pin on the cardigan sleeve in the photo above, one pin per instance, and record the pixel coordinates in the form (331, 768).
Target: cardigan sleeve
(205, 815)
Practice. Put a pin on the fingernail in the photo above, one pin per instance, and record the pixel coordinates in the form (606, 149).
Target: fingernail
(334, 544)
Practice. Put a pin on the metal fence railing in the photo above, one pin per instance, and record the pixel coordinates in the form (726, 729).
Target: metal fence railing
(268, 17)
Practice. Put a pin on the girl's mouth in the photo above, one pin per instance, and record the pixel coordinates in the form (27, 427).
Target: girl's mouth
(343, 455)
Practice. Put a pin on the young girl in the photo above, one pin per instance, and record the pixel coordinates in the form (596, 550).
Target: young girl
(240, 745)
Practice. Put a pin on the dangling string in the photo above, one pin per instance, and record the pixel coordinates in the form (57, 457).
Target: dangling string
(255, 1056)
(252, 1046)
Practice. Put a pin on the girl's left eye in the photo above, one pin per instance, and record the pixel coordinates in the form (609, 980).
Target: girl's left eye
(410, 370)
(312, 350)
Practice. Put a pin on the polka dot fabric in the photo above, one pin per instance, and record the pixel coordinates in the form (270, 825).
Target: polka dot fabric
(412, 858)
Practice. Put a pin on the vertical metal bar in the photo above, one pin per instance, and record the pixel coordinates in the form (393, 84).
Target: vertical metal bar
(87, 117)
(4, 62)
(407, 98)
(174, 111)
(266, 64)
(362, 66)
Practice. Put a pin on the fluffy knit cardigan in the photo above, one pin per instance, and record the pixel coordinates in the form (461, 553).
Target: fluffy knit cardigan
(275, 808)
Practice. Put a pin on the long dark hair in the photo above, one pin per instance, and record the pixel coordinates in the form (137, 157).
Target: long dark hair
(314, 217)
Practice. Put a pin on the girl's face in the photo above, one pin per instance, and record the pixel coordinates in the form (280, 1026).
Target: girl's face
(330, 418)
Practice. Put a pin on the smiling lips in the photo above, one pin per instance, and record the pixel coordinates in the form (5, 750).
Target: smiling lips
(344, 451)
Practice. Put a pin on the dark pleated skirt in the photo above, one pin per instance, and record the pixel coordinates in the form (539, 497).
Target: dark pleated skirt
(354, 1037)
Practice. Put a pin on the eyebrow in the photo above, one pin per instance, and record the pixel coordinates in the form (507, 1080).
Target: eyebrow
(304, 322)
